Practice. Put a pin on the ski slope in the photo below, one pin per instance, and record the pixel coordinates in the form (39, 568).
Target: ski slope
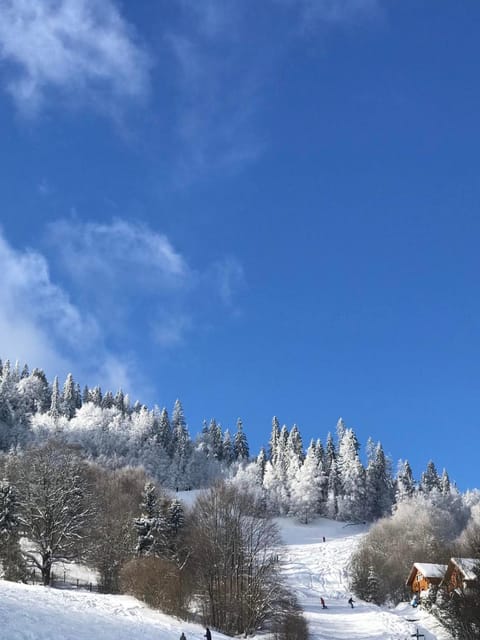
(312, 567)
(317, 569)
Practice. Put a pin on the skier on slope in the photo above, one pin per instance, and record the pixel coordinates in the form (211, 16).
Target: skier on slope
(351, 601)
(322, 602)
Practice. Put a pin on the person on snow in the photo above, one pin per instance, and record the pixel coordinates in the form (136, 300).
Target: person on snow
(322, 602)
(351, 601)
(182, 637)
(208, 635)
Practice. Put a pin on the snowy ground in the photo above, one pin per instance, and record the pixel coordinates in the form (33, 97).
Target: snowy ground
(320, 569)
(313, 568)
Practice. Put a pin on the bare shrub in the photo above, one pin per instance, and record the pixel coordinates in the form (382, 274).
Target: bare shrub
(158, 582)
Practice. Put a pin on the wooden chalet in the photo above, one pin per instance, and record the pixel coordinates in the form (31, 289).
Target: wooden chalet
(424, 575)
(460, 573)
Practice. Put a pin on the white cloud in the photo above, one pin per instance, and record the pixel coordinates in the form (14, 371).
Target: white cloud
(118, 256)
(120, 293)
(38, 322)
(131, 274)
(82, 48)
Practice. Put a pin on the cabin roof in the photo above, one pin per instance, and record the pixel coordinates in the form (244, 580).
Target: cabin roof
(428, 570)
(467, 566)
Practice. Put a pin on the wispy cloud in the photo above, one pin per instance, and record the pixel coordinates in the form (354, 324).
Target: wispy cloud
(38, 321)
(106, 294)
(79, 48)
(332, 12)
(118, 255)
(219, 92)
(224, 62)
(132, 275)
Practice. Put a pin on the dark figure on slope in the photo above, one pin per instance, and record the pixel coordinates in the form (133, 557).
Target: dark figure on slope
(322, 602)
(182, 637)
(351, 601)
(208, 635)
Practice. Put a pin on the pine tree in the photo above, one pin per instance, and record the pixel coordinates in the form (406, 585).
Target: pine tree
(68, 401)
(150, 532)
(379, 485)
(180, 447)
(261, 462)
(227, 447)
(334, 489)
(330, 453)
(306, 487)
(164, 430)
(86, 395)
(119, 401)
(445, 483)
(430, 479)
(341, 428)
(274, 439)
(405, 484)
(352, 476)
(216, 440)
(108, 400)
(55, 401)
(240, 444)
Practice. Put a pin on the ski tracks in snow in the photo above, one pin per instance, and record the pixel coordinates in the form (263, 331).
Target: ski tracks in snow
(320, 569)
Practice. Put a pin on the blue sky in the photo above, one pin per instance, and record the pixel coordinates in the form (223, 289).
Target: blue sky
(263, 208)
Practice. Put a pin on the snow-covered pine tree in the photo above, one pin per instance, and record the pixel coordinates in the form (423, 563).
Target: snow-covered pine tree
(330, 453)
(68, 400)
(108, 400)
(216, 440)
(430, 479)
(164, 430)
(227, 447)
(274, 439)
(351, 505)
(240, 444)
(404, 483)
(333, 491)
(305, 489)
(445, 486)
(96, 396)
(146, 525)
(261, 462)
(181, 448)
(379, 485)
(119, 401)
(55, 400)
(341, 428)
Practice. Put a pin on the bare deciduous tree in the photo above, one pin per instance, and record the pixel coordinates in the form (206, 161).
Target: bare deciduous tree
(234, 551)
(53, 504)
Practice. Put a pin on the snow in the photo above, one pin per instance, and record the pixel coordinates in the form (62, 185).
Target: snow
(429, 570)
(467, 567)
(317, 569)
(312, 567)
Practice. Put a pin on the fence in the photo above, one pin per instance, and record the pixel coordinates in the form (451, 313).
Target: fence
(61, 579)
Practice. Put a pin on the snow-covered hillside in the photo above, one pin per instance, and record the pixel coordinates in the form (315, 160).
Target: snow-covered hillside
(318, 569)
(313, 568)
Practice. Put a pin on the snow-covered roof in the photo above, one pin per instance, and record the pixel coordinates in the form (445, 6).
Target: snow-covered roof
(467, 567)
(429, 570)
